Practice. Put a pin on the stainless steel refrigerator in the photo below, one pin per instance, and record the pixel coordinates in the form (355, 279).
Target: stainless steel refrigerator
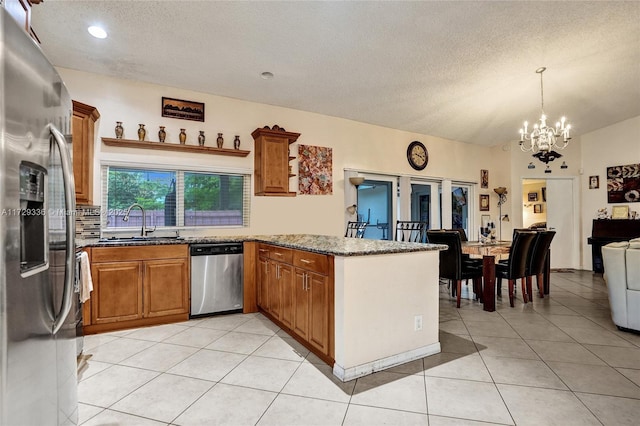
(38, 378)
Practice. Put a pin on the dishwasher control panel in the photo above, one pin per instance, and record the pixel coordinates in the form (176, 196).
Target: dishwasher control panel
(215, 249)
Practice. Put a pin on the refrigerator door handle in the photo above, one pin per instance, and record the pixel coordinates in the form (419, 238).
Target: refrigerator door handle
(70, 206)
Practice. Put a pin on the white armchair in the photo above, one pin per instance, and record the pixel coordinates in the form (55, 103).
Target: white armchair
(622, 275)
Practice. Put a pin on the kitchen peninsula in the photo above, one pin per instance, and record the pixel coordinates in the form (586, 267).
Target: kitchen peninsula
(385, 297)
(360, 305)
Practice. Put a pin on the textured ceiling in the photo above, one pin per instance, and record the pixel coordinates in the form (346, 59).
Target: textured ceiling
(458, 70)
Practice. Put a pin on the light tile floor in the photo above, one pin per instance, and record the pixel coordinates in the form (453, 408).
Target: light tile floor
(559, 360)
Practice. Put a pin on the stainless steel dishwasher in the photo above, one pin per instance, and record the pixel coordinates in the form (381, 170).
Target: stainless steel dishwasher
(216, 278)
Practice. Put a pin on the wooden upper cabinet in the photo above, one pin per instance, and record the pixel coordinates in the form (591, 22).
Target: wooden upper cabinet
(20, 10)
(271, 161)
(83, 125)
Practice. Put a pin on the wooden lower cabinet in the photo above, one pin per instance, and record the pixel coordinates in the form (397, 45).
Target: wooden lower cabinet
(137, 286)
(311, 308)
(299, 298)
(287, 297)
(163, 292)
(263, 283)
(318, 302)
(117, 292)
(273, 288)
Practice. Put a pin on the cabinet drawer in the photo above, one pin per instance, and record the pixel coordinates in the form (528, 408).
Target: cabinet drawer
(263, 250)
(114, 254)
(311, 261)
(281, 254)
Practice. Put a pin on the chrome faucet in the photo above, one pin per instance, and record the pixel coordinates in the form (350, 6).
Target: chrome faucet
(143, 230)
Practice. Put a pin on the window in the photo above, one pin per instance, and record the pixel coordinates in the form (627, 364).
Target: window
(212, 199)
(174, 198)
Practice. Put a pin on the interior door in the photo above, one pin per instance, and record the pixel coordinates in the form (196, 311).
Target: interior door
(561, 217)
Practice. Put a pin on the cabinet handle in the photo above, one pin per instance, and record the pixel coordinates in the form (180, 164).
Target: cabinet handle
(277, 271)
(306, 261)
(278, 254)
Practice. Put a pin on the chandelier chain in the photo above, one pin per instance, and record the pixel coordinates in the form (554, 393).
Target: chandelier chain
(541, 93)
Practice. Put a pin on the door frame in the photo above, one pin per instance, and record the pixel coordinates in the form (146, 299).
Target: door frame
(576, 247)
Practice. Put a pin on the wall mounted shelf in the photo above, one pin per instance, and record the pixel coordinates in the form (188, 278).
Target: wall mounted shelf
(164, 146)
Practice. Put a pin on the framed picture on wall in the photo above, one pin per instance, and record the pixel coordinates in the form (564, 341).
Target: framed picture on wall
(484, 202)
(185, 110)
(484, 178)
(537, 208)
(594, 182)
(533, 196)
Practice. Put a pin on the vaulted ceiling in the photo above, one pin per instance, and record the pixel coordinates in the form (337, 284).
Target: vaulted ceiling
(459, 70)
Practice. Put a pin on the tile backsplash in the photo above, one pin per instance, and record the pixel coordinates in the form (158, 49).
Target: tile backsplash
(87, 221)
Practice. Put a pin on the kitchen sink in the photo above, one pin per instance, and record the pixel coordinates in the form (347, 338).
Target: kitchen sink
(119, 240)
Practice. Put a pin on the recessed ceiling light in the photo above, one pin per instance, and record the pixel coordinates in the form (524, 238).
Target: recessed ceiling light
(267, 75)
(97, 32)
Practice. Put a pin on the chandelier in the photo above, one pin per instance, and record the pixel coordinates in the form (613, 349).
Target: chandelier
(543, 140)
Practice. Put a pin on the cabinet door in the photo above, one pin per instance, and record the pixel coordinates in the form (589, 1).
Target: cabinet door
(318, 289)
(274, 288)
(286, 295)
(117, 292)
(263, 283)
(84, 118)
(166, 287)
(275, 164)
(301, 304)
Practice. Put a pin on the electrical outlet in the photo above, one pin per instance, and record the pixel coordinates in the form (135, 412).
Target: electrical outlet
(417, 323)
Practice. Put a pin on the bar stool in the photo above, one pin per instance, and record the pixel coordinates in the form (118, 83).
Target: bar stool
(411, 231)
(355, 229)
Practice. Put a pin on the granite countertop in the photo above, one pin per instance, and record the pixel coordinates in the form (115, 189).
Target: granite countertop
(341, 246)
(324, 244)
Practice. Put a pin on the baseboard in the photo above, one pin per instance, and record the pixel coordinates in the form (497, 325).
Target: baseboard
(382, 364)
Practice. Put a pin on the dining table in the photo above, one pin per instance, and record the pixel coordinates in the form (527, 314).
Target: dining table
(491, 252)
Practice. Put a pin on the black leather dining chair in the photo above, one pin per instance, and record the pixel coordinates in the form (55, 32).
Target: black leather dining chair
(411, 231)
(355, 229)
(452, 266)
(516, 266)
(535, 267)
(462, 232)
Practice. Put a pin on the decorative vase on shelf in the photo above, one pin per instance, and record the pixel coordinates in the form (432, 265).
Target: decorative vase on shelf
(219, 140)
(201, 138)
(142, 132)
(236, 142)
(119, 130)
(162, 134)
(182, 137)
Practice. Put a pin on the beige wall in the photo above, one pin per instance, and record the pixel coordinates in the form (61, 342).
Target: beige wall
(355, 146)
(614, 145)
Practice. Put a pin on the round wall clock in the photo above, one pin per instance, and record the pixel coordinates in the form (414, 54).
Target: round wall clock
(417, 155)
